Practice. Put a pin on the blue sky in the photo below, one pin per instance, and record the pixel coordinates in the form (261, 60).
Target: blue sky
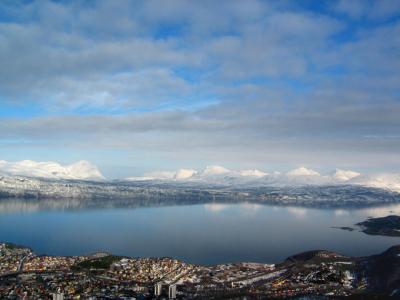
(135, 86)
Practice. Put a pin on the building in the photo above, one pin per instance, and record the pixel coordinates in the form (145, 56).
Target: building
(58, 296)
(158, 289)
(172, 291)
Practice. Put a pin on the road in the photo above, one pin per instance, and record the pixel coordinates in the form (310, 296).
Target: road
(19, 269)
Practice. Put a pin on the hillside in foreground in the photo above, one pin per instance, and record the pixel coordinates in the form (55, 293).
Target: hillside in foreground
(322, 273)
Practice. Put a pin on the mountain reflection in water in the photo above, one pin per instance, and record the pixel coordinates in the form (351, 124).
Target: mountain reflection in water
(206, 233)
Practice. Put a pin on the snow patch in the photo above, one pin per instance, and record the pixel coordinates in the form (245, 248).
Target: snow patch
(302, 171)
(215, 170)
(159, 175)
(252, 173)
(382, 181)
(298, 177)
(81, 170)
(185, 173)
(344, 175)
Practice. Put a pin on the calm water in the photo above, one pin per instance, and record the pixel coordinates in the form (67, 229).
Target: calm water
(207, 234)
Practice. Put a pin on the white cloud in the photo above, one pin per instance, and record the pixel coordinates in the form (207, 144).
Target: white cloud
(353, 8)
(284, 83)
(79, 170)
(375, 9)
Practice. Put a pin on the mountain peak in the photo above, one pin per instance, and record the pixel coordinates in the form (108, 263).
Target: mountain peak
(184, 173)
(252, 173)
(215, 170)
(344, 175)
(303, 171)
(81, 170)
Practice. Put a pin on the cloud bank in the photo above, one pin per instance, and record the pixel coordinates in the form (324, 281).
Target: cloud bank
(244, 83)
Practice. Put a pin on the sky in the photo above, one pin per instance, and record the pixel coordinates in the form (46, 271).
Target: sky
(136, 86)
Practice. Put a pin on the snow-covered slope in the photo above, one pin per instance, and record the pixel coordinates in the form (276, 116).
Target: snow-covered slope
(148, 193)
(382, 181)
(214, 170)
(345, 175)
(184, 174)
(220, 175)
(252, 173)
(302, 171)
(81, 170)
(301, 186)
(297, 177)
(210, 175)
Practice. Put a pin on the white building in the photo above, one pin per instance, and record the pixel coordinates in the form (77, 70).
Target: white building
(158, 289)
(58, 296)
(172, 291)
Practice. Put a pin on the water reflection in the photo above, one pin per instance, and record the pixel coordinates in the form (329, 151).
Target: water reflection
(206, 233)
(32, 205)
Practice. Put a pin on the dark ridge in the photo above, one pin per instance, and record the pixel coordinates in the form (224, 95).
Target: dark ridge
(389, 226)
(314, 254)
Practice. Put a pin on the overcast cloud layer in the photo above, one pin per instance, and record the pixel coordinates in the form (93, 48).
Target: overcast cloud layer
(136, 86)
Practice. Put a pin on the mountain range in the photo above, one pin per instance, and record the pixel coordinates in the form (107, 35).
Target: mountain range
(301, 186)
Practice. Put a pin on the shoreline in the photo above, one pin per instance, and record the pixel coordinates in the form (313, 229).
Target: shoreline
(316, 272)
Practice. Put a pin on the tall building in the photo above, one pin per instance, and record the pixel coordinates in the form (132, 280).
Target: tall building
(58, 296)
(158, 289)
(172, 291)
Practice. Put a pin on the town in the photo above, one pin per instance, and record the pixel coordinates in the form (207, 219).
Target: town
(25, 275)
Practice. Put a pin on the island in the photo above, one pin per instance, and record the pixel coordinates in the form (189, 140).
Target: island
(388, 226)
(344, 228)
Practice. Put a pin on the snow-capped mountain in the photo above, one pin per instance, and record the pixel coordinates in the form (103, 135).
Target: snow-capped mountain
(297, 177)
(302, 171)
(215, 170)
(184, 174)
(345, 175)
(81, 170)
(79, 193)
(382, 181)
(252, 173)
(213, 174)
(301, 186)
